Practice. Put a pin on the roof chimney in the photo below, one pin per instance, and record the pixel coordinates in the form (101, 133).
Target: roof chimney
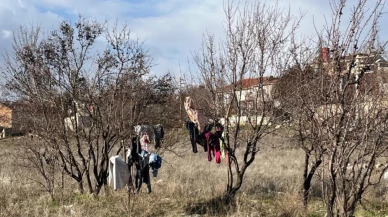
(325, 54)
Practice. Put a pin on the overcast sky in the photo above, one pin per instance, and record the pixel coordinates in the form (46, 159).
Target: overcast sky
(172, 29)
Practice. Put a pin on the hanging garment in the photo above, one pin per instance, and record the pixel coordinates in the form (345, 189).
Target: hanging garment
(129, 156)
(219, 130)
(135, 149)
(193, 131)
(158, 134)
(220, 133)
(208, 127)
(143, 171)
(222, 145)
(213, 147)
(119, 173)
(201, 140)
(141, 130)
(155, 162)
(195, 116)
(143, 176)
(158, 131)
(145, 141)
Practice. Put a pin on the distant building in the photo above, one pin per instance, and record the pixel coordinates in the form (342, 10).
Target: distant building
(371, 65)
(10, 119)
(5, 119)
(250, 90)
(249, 93)
(356, 63)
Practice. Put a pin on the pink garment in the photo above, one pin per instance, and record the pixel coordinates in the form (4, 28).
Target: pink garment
(144, 142)
(218, 156)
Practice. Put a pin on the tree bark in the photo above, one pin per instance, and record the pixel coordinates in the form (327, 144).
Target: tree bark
(308, 176)
(81, 187)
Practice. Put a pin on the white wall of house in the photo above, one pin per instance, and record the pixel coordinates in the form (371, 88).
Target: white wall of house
(363, 60)
(251, 93)
(244, 120)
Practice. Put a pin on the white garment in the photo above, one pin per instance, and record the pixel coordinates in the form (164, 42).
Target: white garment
(137, 129)
(118, 173)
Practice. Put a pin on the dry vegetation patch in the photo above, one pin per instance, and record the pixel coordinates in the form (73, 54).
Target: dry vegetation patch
(187, 185)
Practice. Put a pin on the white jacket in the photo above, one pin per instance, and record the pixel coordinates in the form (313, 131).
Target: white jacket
(119, 173)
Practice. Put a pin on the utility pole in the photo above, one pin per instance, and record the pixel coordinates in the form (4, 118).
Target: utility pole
(181, 83)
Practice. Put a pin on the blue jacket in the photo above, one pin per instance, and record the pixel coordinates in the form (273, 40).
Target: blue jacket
(155, 161)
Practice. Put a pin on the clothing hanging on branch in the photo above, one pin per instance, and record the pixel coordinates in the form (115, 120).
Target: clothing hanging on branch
(194, 115)
(200, 130)
(119, 173)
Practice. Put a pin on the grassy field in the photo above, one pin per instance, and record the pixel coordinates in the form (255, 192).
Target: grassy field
(187, 185)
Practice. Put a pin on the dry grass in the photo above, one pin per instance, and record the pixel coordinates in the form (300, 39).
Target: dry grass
(186, 186)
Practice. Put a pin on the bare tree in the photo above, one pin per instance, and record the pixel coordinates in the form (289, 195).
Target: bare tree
(256, 36)
(297, 105)
(82, 104)
(341, 118)
(354, 116)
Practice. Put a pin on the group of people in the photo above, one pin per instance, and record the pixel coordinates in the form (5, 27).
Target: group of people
(139, 157)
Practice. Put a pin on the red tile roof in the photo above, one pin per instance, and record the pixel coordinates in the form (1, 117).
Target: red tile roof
(250, 82)
(247, 83)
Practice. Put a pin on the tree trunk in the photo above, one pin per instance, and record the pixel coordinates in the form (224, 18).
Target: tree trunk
(308, 176)
(306, 182)
(81, 187)
(89, 181)
(231, 189)
(336, 212)
(342, 209)
(97, 189)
